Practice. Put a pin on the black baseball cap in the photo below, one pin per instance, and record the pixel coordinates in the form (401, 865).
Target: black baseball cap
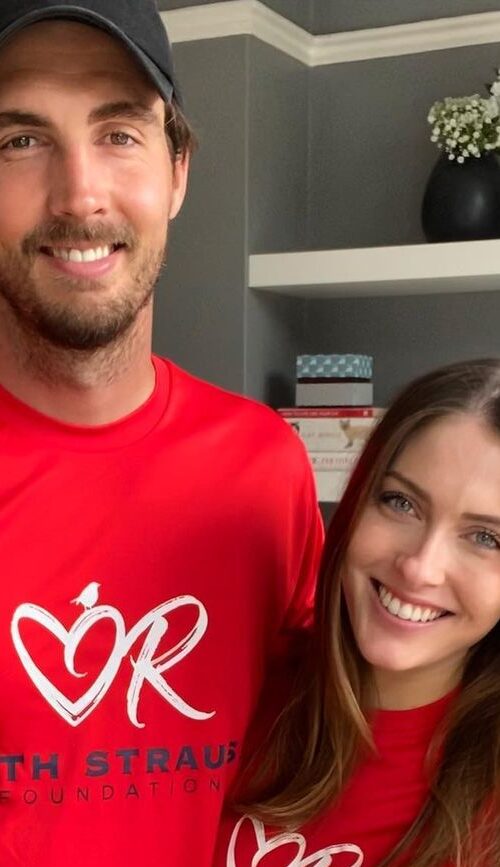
(136, 23)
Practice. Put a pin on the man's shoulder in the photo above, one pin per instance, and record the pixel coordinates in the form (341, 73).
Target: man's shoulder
(221, 403)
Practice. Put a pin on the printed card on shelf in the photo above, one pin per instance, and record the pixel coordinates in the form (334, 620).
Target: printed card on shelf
(330, 485)
(325, 461)
(323, 433)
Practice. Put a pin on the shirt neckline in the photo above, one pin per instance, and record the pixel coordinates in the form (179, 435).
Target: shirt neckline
(416, 721)
(125, 431)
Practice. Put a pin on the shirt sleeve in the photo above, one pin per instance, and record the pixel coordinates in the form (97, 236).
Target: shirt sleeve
(306, 545)
(305, 548)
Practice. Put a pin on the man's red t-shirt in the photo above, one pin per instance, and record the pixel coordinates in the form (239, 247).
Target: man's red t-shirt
(379, 805)
(151, 571)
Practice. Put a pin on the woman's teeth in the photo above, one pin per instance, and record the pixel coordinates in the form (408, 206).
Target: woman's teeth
(405, 611)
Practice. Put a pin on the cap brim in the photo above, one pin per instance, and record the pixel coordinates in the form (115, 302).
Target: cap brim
(163, 84)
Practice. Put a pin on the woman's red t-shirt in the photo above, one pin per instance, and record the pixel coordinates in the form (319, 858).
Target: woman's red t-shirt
(382, 800)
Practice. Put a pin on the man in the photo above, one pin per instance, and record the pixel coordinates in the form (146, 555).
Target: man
(158, 536)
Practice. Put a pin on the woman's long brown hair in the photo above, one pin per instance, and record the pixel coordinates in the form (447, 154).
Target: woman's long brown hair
(323, 733)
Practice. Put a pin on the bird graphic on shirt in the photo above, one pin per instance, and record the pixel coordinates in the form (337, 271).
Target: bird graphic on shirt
(88, 597)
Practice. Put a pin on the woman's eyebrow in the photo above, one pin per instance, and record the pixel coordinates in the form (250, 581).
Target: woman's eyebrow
(409, 484)
(482, 519)
(469, 516)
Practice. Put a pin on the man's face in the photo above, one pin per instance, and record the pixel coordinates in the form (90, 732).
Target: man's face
(87, 184)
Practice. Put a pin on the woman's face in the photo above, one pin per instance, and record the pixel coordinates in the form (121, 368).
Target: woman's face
(421, 576)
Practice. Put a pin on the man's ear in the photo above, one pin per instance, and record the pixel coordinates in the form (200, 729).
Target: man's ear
(180, 174)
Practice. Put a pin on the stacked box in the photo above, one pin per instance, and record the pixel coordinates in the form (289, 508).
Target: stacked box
(334, 416)
(334, 380)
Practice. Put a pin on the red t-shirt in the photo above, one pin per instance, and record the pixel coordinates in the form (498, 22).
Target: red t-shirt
(152, 569)
(384, 796)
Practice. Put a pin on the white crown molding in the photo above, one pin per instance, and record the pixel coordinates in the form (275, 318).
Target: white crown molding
(422, 36)
(253, 18)
(239, 18)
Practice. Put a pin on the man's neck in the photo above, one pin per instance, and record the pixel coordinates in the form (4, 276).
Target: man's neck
(82, 388)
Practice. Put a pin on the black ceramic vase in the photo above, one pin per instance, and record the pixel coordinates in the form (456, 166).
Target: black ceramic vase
(462, 201)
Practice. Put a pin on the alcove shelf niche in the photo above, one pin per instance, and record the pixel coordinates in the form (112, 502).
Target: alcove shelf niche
(418, 269)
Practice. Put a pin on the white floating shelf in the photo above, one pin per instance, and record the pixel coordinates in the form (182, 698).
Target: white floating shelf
(470, 266)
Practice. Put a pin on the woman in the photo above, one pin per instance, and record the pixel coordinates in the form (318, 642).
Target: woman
(389, 752)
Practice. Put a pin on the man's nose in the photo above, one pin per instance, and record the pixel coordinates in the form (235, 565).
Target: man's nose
(78, 184)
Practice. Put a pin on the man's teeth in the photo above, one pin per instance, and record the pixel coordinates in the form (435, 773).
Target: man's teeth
(82, 255)
(404, 610)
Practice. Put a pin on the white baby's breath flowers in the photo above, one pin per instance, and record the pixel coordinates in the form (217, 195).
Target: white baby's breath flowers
(493, 107)
(467, 126)
(495, 89)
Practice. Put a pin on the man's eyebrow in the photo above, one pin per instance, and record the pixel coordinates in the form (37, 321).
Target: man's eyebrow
(22, 118)
(124, 109)
(109, 111)
(409, 484)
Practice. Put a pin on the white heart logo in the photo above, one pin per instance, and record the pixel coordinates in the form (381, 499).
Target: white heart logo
(321, 858)
(73, 712)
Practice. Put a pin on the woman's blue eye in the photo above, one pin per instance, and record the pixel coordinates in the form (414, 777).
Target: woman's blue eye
(396, 501)
(486, 539)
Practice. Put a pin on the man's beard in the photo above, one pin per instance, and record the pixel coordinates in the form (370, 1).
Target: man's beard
(77, 324)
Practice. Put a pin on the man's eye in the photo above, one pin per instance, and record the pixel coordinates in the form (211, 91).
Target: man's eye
(396, 501)
(20, 142)
(486, 539)
(122, 139)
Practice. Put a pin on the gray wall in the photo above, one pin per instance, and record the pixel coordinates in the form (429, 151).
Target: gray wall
(299, 11)
(407, 335)
(278, 150)
(292, 158)
(332, 16)
(248, 184)
(199, 315)
(277, 211)
(370, 149)
(370, 160)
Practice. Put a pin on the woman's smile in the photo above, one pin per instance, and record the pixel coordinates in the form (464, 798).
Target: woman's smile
(411, 613)
(421, 577)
